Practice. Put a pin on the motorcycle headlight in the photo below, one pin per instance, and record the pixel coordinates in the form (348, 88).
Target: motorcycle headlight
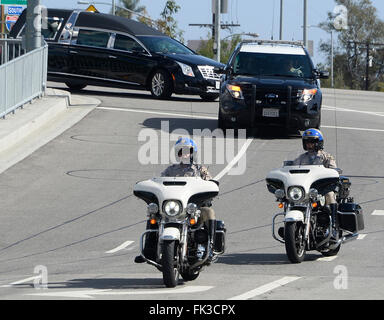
(313, 193)
(172, 208)
(296, 193)
(191, 208)
(152, 208)
(187, 70)
(279, 194)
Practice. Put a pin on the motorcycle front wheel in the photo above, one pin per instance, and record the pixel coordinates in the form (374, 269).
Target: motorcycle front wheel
(189, 275)
(294, 241)
(169, 264)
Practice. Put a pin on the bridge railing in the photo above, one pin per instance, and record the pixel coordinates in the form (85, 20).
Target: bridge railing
(23, 76)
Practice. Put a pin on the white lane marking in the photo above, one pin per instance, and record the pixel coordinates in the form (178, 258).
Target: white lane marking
(20, 281)
(236, 159)
(120, 247)
(91, 293)
(265, 288)
(158, 113)
(352, 128)
(215, 118)
(361, 236)
(327, 259)
(230, 164)
(372, 113)
(378, 213)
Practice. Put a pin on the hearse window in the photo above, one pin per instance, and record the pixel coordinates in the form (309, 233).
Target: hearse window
(126, 43)
(93, 38)
(48, 30)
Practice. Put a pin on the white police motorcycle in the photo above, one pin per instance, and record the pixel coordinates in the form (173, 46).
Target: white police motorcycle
(173, 212)
(300, 191)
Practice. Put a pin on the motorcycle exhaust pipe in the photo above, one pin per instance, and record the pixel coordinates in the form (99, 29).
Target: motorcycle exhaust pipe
(344, 239)
(349, 237)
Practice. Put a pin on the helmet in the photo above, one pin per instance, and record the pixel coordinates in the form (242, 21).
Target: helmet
(315, 136)
(185, 146)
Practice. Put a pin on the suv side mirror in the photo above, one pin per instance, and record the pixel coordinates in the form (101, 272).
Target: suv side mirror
(220, 70)
(321, 74)
(227, 70)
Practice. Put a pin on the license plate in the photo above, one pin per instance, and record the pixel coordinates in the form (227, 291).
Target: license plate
(274, 113)
(217, 84)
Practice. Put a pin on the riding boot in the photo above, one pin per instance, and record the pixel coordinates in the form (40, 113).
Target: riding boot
(211, 235)
(335, 224)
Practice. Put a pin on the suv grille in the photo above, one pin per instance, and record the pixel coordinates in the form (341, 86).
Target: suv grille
(207, 73)
(266, 96)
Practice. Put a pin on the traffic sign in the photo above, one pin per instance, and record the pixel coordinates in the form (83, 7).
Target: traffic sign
(14, 2)
(15, 10)
(92, 8)
(10, 21)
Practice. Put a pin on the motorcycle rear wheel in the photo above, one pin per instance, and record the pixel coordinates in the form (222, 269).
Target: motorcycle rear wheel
(169, 264)
(294, 241)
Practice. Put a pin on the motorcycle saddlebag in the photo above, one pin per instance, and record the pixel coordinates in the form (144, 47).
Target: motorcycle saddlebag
(351, 217)
(220, 236)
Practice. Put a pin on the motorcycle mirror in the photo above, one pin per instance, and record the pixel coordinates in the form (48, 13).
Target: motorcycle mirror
(340, 171)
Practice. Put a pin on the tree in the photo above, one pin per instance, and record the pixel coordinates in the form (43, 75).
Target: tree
(351, 59)
(168, 24)
(132, 5)
(227, 47)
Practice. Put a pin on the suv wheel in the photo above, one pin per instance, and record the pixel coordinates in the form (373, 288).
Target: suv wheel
(160, 84)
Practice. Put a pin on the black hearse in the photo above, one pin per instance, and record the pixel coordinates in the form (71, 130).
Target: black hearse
(87, 48)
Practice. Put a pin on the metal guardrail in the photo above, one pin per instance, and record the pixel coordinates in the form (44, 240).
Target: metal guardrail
(10, 49)
(23, 76)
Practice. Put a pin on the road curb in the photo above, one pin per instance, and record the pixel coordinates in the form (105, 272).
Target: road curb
(34, 125)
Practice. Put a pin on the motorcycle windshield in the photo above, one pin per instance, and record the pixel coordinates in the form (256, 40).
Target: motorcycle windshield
(300, 158)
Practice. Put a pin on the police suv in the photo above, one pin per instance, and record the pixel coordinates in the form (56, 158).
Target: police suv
(270, 82)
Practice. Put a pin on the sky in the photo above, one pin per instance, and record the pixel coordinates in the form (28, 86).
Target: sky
(256, 16)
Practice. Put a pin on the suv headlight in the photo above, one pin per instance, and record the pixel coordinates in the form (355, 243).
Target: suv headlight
(296, 193)
(172, 208)
(308, 94)
(235, 91)
(187, 70)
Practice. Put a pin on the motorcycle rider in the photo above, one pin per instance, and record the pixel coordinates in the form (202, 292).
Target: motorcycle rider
(186, 150)
(313, 144)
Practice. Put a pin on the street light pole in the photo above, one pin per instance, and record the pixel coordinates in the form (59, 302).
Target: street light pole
(113, 7)
(332, 84)
(305, 24)
(281, 20)
(33, 25)
(216, 40)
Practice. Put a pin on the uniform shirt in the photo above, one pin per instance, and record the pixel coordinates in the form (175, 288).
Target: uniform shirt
(316, 158)
(187, 170)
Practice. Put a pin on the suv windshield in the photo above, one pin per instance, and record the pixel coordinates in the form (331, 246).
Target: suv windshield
(272, 64)
(164, 45)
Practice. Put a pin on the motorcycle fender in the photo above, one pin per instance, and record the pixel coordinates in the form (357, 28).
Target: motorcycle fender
(294, 215)
(170, 233)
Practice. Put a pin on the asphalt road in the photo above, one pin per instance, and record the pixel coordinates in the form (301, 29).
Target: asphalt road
(68, 215)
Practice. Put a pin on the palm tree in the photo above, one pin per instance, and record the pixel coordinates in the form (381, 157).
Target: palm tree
(132, 5)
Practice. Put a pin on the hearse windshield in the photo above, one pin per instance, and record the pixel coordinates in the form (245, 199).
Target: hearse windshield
(164, 45)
